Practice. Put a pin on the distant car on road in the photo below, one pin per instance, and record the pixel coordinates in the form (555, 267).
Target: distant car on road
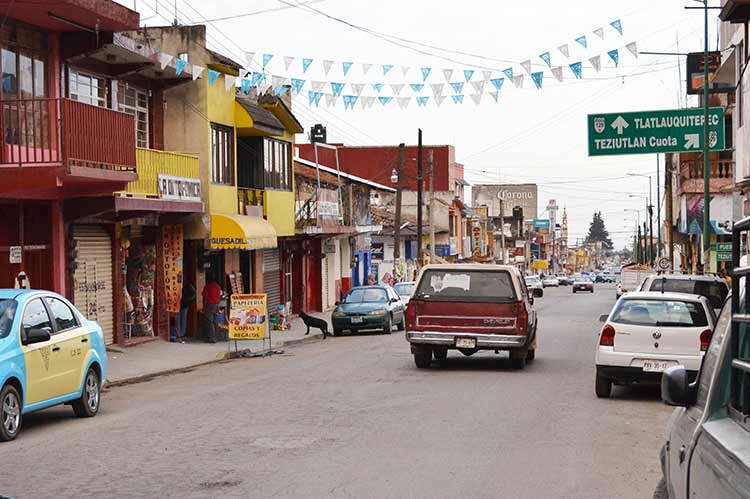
(534, 282)
(471, 307)
(550, 281)
(648, 332)
(404, 291)
(564, 280)
(368, 308)
(50, 354)
(714, 288)
(583, 284)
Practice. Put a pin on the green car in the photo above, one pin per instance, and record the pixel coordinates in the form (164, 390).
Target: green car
(368, 308)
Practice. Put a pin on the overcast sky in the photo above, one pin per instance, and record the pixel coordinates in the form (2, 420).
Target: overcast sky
(530, 135)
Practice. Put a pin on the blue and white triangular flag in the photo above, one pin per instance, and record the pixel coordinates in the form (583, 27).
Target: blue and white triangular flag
(405, 69)
(600, 33)
(327, 67)
(564, 50)
(297, 85)
(582, 40)
(385, 100)
(447, 74)
(422, 101)
(633, 49)
(366, 67)
(229, 82)
(314, 98)
(357, 88)
(306, 64)
(281, 90)
(403, 102)
(266, 59)
(526, 65)
(212, 76)
(495, 95)
(497, 83)
(508, 73)
(249, 56)
(197, 71)
(439, 99)
(486, 75)
(378, 87)
(346, 66)
(386, 68)
(537, 77)
(416, 87)
(397, 87)
(476, 98)
(336, 88)
(437, 88)
(317, 85)
(179, 66)
(256, 79)
(458, 86)
(331, 100)
(350, 101)
(546, 58)
(245, 86)
(478, 86)
(596, 62)
(425, 73)
(288, 60)
(458, 99)
(468, 73)
(518, 81)
(615, 56)
(577, 69)
(557, 72)
(617, 24)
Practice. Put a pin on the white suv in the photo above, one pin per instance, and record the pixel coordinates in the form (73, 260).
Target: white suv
(648, 332)
(714, 288)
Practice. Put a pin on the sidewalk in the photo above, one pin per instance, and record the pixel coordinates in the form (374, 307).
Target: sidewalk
(141, 362)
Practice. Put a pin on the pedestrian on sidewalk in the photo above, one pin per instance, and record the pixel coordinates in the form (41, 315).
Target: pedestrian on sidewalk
(211, 299)
(188, 296)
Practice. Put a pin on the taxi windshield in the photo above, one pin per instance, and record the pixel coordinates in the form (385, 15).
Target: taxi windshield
(7, 313)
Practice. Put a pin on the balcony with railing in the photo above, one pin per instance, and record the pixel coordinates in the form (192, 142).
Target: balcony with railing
(153, 166)
(690, 179)
(63, 132)
(250, 201)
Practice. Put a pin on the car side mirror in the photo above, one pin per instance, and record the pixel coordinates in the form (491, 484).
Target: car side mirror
(37, 335)
(676, 389)
(538, 292)
(603, 318)
(394, 300)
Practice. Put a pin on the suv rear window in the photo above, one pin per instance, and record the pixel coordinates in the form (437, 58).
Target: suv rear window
(715, 292)
(662, 313)
(483, 286)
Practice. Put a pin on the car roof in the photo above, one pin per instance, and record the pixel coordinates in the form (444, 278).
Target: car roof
(469, 266)
(371, 286)
(657, 296)
(21, 294)
(687, 277)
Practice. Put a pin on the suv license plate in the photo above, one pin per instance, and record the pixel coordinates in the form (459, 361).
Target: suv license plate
(656, 366)
(466, 343)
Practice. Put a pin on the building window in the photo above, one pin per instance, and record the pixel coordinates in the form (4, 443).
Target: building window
(87, 88)
(277, 164)
(222, 154)
(134, 102)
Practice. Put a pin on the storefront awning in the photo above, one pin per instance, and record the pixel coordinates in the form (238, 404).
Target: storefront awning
(241, 232)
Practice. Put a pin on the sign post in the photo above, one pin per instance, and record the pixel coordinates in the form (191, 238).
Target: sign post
(653, 132)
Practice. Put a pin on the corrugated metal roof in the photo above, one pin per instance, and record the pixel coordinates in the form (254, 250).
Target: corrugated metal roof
(263, 119)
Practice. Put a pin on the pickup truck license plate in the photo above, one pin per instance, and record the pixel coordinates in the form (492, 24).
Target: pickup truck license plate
(466, 343)
(656, 366)
(356, 320)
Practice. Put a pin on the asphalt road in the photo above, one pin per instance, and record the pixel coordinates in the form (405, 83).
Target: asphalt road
(353, 417)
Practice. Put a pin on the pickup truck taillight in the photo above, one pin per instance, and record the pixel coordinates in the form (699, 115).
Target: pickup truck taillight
(411, 314)
(523, 318)
(607, 338)
(705, 339)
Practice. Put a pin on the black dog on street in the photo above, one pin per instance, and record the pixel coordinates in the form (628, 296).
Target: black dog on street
(311, 321)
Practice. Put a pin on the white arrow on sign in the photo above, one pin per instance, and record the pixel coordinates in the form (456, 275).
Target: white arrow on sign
(619, 124)
(692, 140)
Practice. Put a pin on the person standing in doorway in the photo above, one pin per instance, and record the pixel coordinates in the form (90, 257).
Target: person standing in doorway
(211, 299)
(188, 296)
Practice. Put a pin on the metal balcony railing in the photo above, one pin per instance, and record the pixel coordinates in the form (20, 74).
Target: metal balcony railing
(249, 197)
(150, 163)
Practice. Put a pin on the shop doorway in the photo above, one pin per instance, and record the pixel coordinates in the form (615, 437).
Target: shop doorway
(140, 280)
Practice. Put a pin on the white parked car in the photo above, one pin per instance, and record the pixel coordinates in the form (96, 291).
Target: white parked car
(550, 281)
(648, 332)
(534, 282)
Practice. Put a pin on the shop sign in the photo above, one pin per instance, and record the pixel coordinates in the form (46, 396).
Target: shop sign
(541, 223)
(172, 260)
(378, 251)
(176, 188)
(328, 207)
(723, 257)
(248, 317)
(696, 72)
(16, 254)
(722, 247)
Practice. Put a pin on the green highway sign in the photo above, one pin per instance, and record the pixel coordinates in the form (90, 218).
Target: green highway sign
(652, 132)
(722, 247)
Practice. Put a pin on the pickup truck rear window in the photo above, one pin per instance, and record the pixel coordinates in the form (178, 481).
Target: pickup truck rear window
(660, 313)
(482, 286)
(716, 292)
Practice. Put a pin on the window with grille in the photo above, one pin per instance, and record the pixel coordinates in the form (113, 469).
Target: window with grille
(134, 102)
(87, 88)
(277, 164)
(222, 154)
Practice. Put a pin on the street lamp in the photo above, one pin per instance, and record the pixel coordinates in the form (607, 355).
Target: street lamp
(394, 176)
(650, 235)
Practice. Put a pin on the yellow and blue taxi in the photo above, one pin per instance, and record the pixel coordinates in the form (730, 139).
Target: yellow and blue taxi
(50, 354)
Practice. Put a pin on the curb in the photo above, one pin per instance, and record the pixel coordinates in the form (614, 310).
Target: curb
(179, 370)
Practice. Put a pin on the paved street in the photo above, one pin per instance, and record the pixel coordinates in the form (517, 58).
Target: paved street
(353, 417)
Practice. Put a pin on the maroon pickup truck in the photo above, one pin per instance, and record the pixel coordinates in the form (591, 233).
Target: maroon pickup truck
(471, 307)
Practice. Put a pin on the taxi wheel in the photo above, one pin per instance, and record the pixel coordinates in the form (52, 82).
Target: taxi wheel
(88, 405)
(10, 412)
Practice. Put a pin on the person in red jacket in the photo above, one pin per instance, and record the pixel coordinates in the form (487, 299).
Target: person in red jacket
(211, 299)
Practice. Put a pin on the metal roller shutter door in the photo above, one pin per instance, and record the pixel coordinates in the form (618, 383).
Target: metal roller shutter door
(93, 277)
(272, 278)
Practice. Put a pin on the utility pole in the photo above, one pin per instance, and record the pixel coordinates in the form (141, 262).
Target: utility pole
(651, 234)
(706, 165)
(502, 231)
(397, 223)
(432, 206)
(658, 210)
(640, 255)
(668, 204)
(646, 258)
(420, 255)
